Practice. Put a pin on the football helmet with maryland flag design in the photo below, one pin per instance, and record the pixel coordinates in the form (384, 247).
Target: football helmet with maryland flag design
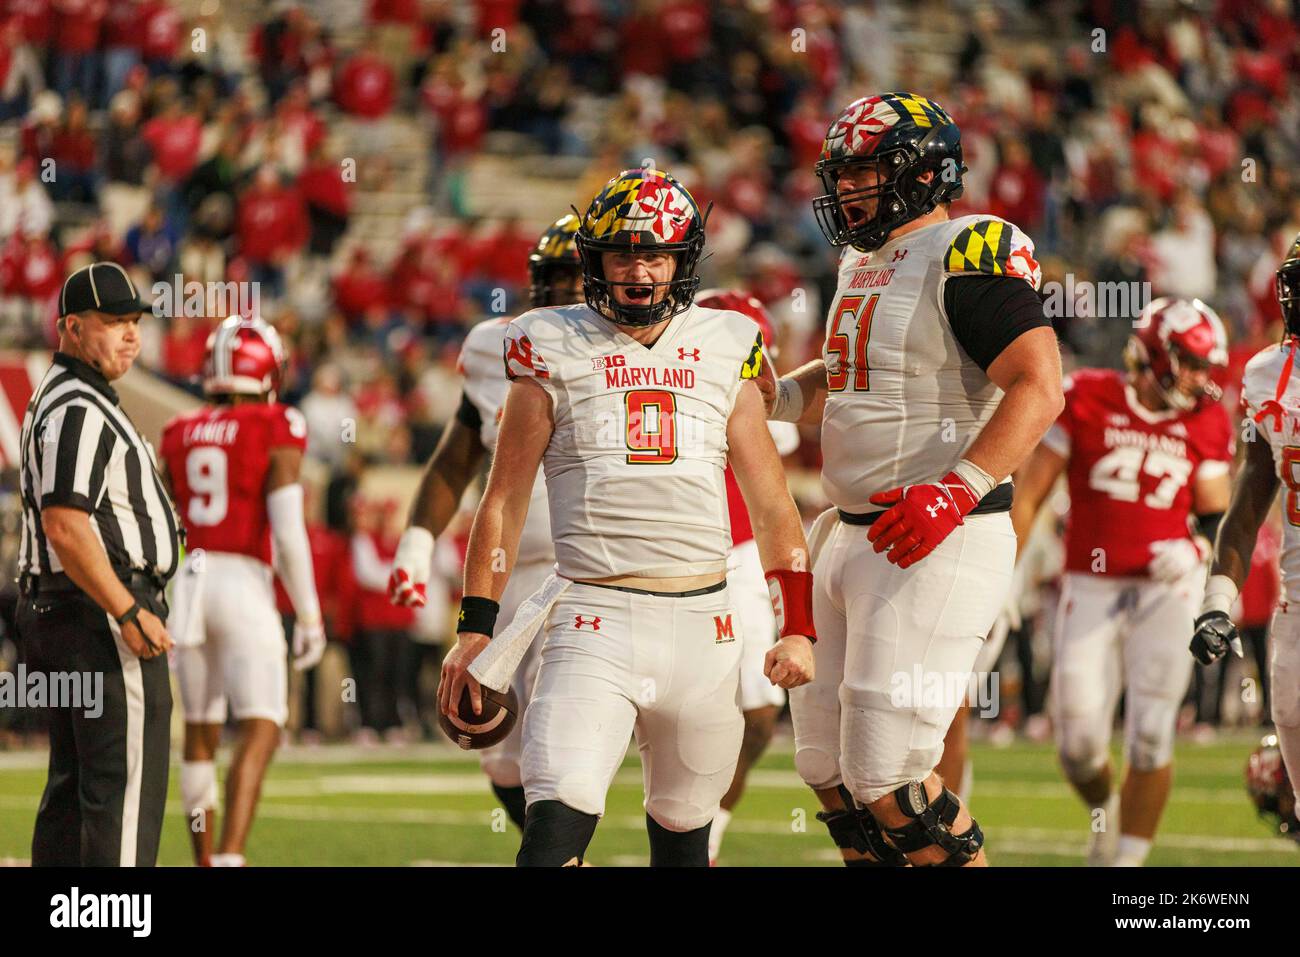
(642, 210)
(244, 357)
(554, 265)
(1182, 342)
(899, 156)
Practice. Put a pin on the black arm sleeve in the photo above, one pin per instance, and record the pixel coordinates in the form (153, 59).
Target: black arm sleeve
(1208, 525)
(467, 415)
(988, 313)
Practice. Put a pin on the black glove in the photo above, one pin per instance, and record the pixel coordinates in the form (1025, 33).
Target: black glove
(1215, 633)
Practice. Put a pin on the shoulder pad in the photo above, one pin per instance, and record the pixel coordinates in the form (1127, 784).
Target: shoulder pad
(993, 247)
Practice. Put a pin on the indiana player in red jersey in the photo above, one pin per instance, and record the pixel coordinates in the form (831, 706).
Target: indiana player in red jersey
(760, 700)
(1144, 454)
(232, 467)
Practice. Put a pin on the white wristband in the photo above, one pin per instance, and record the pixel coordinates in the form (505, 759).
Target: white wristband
(1220, 593)
(788, 404)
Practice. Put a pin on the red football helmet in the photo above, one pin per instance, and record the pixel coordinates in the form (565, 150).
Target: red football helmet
(1270, 789)
(1175, 339)
(244, 357)
(742, 302)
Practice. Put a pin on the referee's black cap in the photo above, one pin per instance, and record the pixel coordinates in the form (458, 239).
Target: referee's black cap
(103, 287)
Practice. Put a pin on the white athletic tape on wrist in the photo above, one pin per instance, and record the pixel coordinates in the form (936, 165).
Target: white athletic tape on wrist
(788, 403)
(496, 664)
(980, 482)
(415, 551)
(1220, 592)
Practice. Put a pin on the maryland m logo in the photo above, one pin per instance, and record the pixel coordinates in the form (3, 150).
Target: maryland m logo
(724, 633)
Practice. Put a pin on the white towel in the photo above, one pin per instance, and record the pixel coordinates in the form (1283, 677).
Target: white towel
(496, 664)
(185, 621)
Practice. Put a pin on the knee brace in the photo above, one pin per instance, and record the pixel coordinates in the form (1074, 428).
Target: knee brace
(931, 825)
(198, 786)
(856, 830)
(677, 848)
(555, 835)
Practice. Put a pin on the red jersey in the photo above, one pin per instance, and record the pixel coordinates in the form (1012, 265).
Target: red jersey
(217, 458)
(1130, 470)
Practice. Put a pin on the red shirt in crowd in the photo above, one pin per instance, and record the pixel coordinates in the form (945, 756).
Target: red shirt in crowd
(359, 286)
(366, 86)
(271, 222)
(175, 144)
(332, 569)
(36, 17)
(1016, 194)
(321, 184)
(162, 30)
(123, 25)
(74, 149)
(373, 609)
(76, 24)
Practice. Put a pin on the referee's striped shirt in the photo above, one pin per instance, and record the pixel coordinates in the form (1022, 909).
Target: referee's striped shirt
(81, 451)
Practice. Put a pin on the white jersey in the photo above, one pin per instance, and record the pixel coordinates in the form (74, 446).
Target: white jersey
(1259, 392)
(486, 386)
(635, 465)
(904, 399)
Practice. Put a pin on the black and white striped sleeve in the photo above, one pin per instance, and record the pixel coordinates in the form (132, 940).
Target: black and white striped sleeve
(77, 443)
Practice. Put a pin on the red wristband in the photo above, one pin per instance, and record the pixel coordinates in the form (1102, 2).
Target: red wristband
(792, 602)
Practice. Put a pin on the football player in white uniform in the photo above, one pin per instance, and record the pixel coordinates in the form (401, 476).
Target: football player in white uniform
(760, 700)
(554, 271)
(633, 402)
(939, 375)
(1271, 393)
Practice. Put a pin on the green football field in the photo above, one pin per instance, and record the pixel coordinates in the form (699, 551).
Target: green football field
(430, 805)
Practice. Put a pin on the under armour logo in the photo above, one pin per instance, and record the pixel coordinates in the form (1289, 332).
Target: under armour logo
(682, 353)
(939, 502)
(899, 254)
(594, 622)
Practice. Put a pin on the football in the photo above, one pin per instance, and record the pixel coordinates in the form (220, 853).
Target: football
(471, 731)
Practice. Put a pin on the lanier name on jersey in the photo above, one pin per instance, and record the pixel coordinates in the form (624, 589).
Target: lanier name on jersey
(212, 433)
(662, 378)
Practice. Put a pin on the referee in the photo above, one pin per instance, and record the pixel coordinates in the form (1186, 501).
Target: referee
(99, 543)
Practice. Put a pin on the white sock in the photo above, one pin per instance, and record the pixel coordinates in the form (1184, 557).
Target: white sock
(1132, 851)
(719, 827)
(228, 860)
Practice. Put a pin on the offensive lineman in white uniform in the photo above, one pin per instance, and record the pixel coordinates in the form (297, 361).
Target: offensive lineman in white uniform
(938, 377)
(554, 272)
(634, 402)
(1271, 393)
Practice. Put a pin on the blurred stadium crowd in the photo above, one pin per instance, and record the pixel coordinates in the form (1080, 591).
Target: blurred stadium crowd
(381, 171)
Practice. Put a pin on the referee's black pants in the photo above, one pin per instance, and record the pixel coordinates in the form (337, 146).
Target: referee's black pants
(107, 786)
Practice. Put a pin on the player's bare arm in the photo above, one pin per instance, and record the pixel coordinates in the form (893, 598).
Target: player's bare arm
(526, 427)
(1034, 481)
(1252, 496)
(797, 397)
(1028, 372)
(447, 474)
(775, 520)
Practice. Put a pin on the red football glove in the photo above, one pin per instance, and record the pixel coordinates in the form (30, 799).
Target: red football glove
(920, 518)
